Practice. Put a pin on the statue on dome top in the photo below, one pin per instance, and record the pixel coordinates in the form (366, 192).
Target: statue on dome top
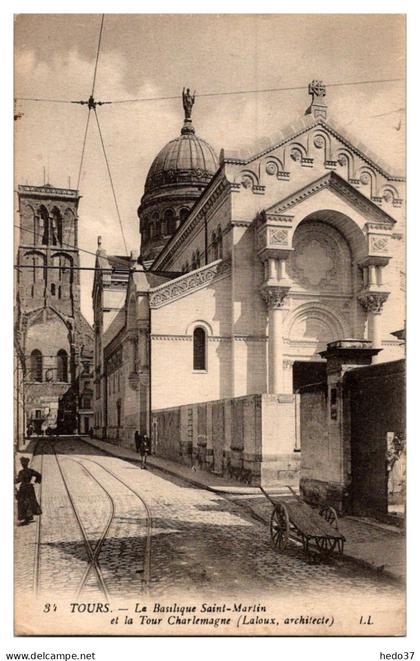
(188, 100)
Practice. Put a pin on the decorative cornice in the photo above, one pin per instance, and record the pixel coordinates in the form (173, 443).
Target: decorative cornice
(161, 336)
(241, 223)
(189, 282)
(48, 191)
(339, 185)
(212, 338)
(250, 338)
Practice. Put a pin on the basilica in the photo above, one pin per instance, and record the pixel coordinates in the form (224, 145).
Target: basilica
(258, 272)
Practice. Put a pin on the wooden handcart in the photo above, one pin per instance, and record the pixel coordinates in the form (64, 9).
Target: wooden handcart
(316, 530)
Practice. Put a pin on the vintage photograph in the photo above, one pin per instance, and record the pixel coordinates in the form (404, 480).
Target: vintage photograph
(209, 329)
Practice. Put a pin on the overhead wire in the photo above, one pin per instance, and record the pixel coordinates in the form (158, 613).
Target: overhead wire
(226, 93)
(110, 179)
(83, 150)
(97, 54)
(123, 262)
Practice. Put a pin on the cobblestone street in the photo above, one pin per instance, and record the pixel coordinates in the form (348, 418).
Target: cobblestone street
(201, 542)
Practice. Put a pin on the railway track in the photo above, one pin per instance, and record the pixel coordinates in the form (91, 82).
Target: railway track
(36, 572)
(93, 551)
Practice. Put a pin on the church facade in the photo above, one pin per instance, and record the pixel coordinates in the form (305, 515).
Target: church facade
(53, 341)
(281, 251)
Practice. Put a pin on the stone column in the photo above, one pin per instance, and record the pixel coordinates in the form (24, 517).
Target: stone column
(275, 298)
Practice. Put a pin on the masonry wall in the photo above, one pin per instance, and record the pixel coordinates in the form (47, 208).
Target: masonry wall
(314, 432)
(174, 382)
(249, 317)
(250, 439)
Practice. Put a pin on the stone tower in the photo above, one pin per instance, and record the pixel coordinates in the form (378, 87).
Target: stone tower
(51, 333)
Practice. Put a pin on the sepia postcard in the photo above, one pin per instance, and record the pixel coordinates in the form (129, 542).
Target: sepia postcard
(209, 330)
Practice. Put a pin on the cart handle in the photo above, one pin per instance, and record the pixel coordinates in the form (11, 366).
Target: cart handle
(272, 501)
(276, 503)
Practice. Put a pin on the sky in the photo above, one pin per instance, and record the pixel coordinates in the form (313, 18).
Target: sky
(145, 56)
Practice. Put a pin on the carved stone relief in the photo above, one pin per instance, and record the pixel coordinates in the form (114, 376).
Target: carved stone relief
(278, 237)
(321, 259)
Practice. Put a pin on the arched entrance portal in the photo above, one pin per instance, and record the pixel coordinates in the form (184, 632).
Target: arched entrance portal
(324, 278)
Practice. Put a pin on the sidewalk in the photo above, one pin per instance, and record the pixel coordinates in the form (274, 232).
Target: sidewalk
(368, 543)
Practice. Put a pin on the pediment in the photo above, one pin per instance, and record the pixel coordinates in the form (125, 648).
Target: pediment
(306, 150)
(297, 133)
(340, 187)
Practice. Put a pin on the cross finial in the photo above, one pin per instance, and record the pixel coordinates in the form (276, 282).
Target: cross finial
(318, 107)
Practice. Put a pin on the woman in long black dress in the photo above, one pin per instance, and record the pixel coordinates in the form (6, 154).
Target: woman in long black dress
(26, 498)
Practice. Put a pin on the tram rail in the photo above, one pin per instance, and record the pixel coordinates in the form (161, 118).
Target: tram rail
(93, 550)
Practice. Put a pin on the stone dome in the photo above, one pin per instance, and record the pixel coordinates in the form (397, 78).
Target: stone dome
(176, 179)
(187, 159)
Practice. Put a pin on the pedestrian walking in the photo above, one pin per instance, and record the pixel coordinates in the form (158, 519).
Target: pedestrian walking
(137, 440)
(144, 449)
(28, 505)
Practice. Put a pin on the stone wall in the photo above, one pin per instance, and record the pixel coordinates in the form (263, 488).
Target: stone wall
(250, 439)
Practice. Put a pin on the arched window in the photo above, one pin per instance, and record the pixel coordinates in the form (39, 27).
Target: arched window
(36, 366)
(44, 222)
(199, 349)
(37, 274)
(62, 366)
(56, 235)
(170, 221)
(213, 246)
(155, 226)
(183, 214)
(219, 243)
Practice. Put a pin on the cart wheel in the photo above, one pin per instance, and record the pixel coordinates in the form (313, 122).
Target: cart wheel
(279, 527)
(325, 545)
(330, 515)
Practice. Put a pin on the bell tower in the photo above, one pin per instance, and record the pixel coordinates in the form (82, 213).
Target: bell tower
(48, 238)
(51, 332)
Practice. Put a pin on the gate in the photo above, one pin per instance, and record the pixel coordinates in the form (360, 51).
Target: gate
(376, 399)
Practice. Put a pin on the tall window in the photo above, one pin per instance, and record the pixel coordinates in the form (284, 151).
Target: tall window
(183, 214)
(219, 243)
(36, 365)
(155, 226)
(118, 413)
(199, 349)
(170, 221)
(62, 366)
(56, 234)
(213, 246)
(44, 222)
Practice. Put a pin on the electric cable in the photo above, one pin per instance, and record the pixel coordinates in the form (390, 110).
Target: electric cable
(110, 180)
(70, 245)
(83, 151)
(226, 93)
(97, 54)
